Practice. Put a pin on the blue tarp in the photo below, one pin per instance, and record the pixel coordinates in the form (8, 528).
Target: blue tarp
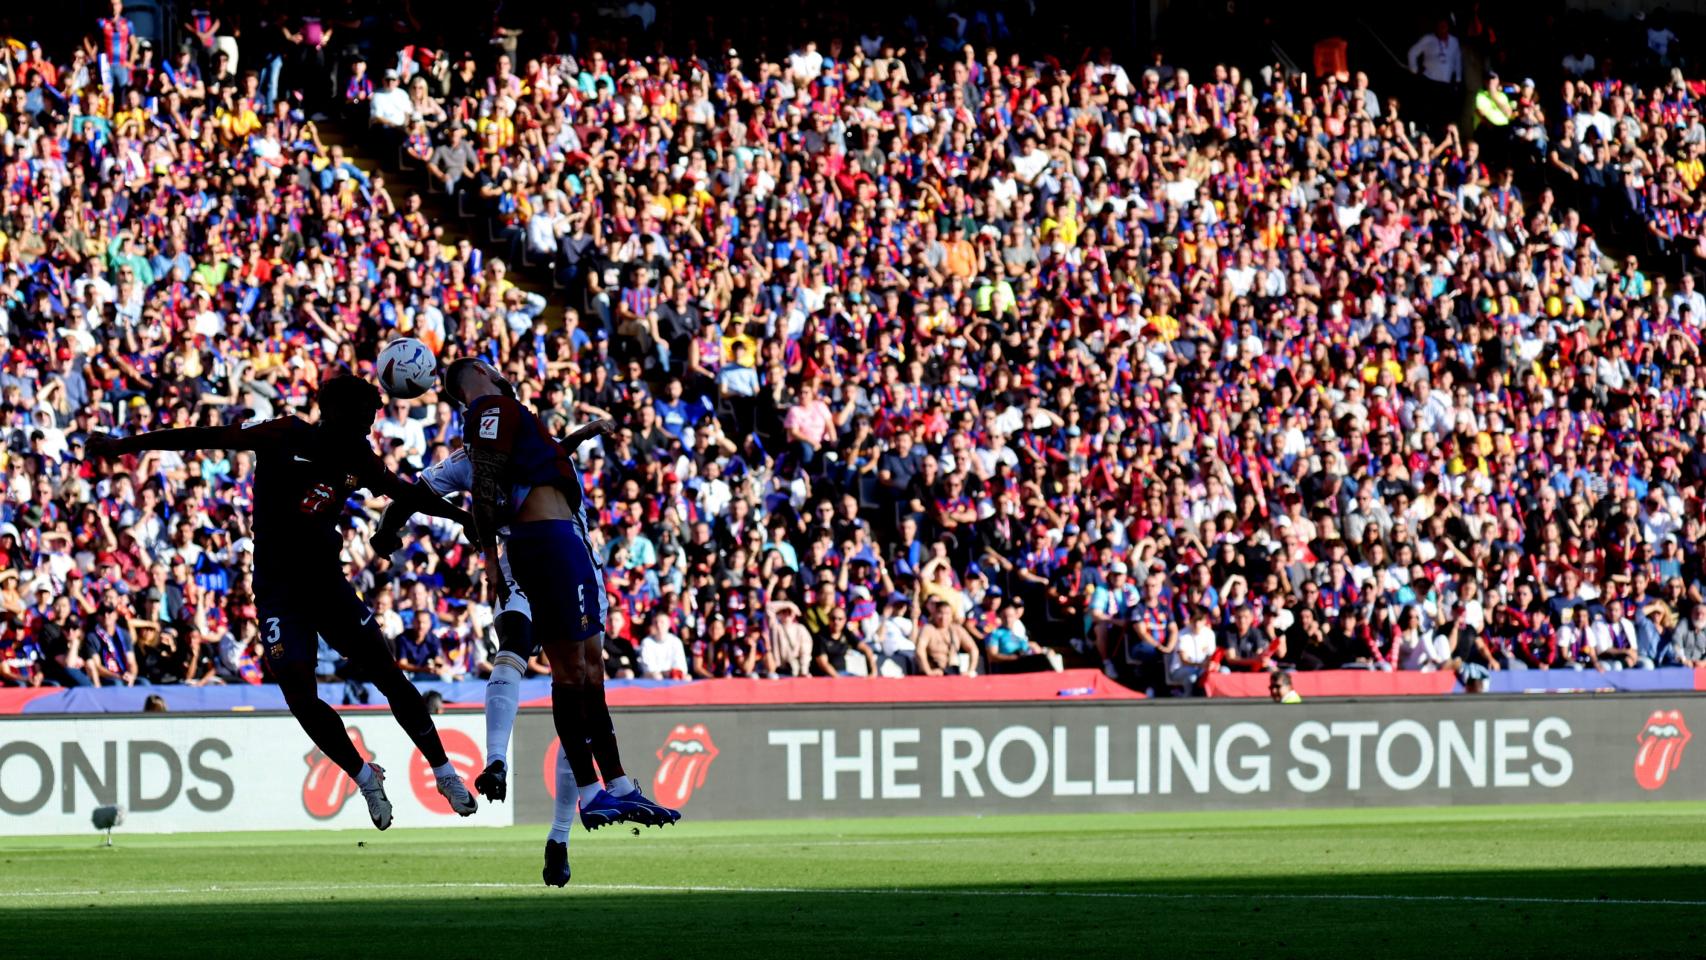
(1567, 681)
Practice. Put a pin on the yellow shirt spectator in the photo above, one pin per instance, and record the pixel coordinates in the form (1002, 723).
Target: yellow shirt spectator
(1166, 327)
(1691, 170)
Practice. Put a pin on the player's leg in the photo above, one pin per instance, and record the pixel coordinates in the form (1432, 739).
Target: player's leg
(348, 626)
(290, 649)
(562, 822)
(538, 559)
(600, 728)
(570, 720)
(503, 689)
(503, 696)
(621, 798)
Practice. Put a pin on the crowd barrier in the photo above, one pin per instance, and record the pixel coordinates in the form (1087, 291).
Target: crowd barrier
(1075, 684)
(1085, 684)
(226, 772)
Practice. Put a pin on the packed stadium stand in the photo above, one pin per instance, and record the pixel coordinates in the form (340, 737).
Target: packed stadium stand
(937, 344)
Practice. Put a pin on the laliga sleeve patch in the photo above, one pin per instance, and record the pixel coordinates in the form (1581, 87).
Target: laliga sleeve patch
(489, 425)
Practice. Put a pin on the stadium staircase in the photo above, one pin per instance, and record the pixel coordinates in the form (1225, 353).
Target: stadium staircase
(403, 175)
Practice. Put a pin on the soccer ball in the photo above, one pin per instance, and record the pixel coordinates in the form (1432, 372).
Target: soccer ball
(406, 368)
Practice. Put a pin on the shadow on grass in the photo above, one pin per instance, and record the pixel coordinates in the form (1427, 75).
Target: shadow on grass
(1504, 914)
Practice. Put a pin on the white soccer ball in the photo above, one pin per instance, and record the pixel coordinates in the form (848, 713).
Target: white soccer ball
(406, 368)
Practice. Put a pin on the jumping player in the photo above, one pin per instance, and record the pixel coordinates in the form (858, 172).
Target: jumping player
(525, 479)
(514, 625)
(303, 476)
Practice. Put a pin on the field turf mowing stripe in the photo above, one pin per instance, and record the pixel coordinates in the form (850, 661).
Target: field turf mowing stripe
(1552, 881)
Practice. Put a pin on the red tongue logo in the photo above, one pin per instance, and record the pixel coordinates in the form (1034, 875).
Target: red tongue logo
(326, 788)
(1662, 738)
(685, 758)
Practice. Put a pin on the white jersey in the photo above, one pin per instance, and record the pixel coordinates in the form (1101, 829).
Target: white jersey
(455, 474)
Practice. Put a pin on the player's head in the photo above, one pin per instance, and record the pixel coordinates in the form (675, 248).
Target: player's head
(349, 404)
(469, 379)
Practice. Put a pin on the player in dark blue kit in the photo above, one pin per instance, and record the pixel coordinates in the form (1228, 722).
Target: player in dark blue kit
(304, 474)
(525, 479)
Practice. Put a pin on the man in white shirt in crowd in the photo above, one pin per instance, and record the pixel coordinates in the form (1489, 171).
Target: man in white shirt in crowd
(545, 227)
(662, 657)
(1438, 57)
(806, 63)
(390, 105)
(894, 634)
(1195, 645)
(1687, 296)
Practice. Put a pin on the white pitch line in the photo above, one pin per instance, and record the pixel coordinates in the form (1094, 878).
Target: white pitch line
(245, 889)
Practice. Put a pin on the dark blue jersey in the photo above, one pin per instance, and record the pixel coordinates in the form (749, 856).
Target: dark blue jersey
(536, 459)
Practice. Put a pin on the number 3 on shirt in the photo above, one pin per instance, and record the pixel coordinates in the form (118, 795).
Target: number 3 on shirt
(275, 649)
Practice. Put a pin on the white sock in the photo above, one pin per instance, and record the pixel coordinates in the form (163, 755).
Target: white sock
(444, 770)
(621, 786)
(503, 691)
(589, 790)
(563, 809)
(364, 778)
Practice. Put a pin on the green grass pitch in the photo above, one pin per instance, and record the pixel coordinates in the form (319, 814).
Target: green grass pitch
(1557, 881)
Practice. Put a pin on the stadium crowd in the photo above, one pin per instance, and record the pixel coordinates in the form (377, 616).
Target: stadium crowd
(927, 356)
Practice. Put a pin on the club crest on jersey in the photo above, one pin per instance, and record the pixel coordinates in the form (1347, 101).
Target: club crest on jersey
(351, 480)
(489, 425)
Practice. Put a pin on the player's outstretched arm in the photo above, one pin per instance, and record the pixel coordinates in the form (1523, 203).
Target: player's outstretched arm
(408, 499)
(603, 426)
(388, 538)
(182, 439)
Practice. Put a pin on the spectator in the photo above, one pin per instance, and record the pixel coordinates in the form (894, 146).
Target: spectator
(662, 657)
(830, 650)
(1008, 648)
(789, 647)
(64, 648)
(390, 107)
(418, 649)
(1689, 640)
(895, 632)
(113, 659)
(942, 641)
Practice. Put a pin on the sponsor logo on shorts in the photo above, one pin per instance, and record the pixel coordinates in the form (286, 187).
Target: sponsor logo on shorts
(1663, 738)
(326, 787)
(684, 760)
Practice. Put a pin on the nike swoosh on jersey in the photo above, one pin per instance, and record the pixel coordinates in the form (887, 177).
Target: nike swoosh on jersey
(367, 619)
(301, 459)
